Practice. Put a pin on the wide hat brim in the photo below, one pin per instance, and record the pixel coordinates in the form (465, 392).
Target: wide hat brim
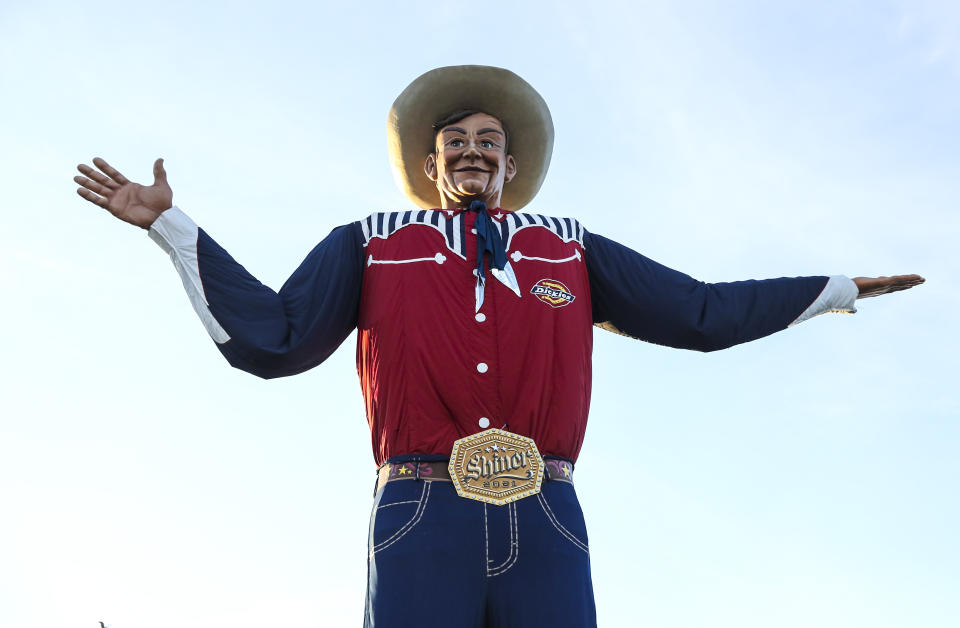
(496, 91)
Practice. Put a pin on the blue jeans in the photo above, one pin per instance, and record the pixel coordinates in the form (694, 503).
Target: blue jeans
(440, 560)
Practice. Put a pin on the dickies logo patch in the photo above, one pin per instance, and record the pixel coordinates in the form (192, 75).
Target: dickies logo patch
(552, 292)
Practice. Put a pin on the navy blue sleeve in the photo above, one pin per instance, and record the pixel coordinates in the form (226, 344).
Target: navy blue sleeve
(638, 297)
(271, 334)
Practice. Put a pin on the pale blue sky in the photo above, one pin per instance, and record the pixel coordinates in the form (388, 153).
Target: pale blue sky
(809, 478)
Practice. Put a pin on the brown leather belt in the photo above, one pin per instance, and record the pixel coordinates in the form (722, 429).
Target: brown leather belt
(555, 470)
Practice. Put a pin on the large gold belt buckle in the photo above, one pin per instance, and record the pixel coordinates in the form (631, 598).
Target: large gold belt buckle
(496, 466)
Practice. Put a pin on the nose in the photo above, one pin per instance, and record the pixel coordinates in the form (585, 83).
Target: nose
(472, 152)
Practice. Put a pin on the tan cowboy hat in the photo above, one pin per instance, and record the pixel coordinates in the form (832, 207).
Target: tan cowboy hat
(496, 91)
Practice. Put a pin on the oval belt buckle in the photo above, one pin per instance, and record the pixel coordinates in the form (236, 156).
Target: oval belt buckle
(496, 467)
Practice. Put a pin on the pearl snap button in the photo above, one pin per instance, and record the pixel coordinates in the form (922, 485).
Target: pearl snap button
(481, 317)
(482, 367)
(473, 231)
(484, 422)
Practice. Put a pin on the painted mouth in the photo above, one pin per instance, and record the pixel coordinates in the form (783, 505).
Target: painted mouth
(471, 169)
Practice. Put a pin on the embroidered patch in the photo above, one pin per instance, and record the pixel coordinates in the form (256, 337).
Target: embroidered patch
(552, 292)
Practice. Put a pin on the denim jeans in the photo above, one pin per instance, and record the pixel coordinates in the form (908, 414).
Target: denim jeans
(436, 559)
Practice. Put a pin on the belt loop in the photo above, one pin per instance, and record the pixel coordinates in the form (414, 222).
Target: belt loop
(418, 470)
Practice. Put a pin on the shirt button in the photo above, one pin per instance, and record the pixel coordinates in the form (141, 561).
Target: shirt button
(481, 317)
(473, 231)
(482, 367)
(484, 422)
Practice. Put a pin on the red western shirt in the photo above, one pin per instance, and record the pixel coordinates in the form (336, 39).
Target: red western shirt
(433, 366)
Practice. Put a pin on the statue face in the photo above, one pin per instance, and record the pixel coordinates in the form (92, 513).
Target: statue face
(471, 162)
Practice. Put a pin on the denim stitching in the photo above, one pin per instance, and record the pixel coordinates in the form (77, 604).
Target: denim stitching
(402, 532)
(559, 526)
(510, 556)
(510, 528)
(486, 541)
(514, 544)
(412, 501)
(516, 535)
(399, 534)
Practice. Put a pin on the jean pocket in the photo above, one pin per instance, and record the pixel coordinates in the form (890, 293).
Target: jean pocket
(563, 512)
(398, 510)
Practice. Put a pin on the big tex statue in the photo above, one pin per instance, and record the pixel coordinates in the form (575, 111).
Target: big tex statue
(474, 328)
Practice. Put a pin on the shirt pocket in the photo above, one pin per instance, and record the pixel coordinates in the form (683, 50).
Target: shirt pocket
(557, 256)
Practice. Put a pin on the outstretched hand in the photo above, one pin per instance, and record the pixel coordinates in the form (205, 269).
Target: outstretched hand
(131, 202)
(875, 286)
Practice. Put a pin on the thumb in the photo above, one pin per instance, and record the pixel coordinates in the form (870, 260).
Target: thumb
(159, 174)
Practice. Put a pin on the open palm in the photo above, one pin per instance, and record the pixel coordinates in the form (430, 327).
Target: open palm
(131, 202)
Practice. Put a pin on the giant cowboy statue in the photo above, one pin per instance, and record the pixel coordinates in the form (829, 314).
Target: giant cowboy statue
(474, 334)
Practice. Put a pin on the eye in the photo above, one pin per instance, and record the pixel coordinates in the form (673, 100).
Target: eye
(457, 143)
(487, 144)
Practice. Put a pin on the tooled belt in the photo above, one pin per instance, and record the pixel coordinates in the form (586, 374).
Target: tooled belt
(555, 470)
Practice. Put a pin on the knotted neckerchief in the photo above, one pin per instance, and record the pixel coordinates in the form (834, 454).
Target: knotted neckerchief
(489, 241)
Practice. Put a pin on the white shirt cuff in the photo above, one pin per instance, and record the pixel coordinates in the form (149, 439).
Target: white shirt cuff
(838, 295)
(177, 234)
(173, 229)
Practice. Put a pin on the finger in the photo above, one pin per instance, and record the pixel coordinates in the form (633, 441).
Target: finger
(93, 198)
(899, 287)
(110, 171)
(912, 279)
(902, 282)
(159, 174)
(885, 278)
(96, 176)
(903, 285)
(881, 283)
(93, 186)
(900, 277)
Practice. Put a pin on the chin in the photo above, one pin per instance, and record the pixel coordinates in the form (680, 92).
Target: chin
(471, 190)
(471, 185)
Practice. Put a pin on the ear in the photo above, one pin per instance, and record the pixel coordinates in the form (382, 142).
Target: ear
(430, 166)
(511, 169)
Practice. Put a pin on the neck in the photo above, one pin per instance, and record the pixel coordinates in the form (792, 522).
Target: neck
(492, 201)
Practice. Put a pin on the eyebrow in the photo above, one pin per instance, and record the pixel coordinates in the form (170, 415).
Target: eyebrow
(456, 129)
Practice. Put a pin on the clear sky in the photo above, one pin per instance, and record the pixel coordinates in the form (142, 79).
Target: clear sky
(807, 479)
